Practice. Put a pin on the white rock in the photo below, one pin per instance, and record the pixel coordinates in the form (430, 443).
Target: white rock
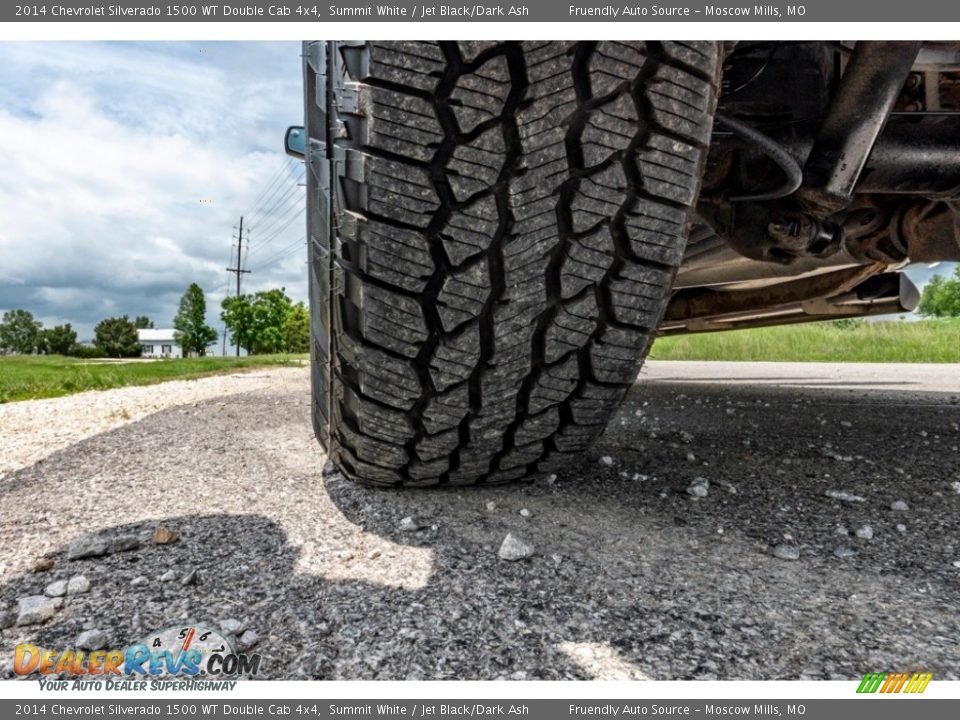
(92, 640)
(691, 457)
(231, 626)
(552, 478)
(514, 548)
(606, 460)
(899, 505)
(248, 640)
(844, 496)
(140, 580)
(901, 528)
(169, 576)
(35, 609)
(58, 588)
(524, 512)
(865, 532)
(408, 524)
(491, 506)
(843, 552)
(699, 487)
(956, 563)
(77, 585)
(787, 552)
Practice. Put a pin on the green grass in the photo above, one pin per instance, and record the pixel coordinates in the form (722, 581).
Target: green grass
(927, 341)
(36, 376)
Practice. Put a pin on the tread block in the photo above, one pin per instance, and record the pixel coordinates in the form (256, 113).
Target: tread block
(446, 410)
(463, 295)
(396, 255)
(391, 320)
(480, 95)
(454, 358)
(670, 169)
(571, 328)
(470, 229)
(586, 262)
(681, 103)
(656, 231)
(442, 444)
(554, 384)
(416, 65)
(610, 129)
(598, 198)
(475, 166)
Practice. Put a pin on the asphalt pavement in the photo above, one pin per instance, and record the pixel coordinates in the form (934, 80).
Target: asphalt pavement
(736, 521)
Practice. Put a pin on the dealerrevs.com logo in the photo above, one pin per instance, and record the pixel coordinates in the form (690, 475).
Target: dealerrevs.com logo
(888, 683)
(176, 652)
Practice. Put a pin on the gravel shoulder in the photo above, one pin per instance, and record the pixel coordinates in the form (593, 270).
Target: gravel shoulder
(715, 531)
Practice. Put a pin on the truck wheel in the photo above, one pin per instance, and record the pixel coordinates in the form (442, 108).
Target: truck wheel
(494, 231)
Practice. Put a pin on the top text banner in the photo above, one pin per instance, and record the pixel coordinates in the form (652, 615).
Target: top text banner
(529, 11)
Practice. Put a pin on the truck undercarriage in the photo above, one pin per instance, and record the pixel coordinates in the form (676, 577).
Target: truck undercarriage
(832, 165)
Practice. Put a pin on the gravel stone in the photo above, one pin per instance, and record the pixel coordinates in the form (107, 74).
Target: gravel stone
(92, 640)
(231, 626)
(524, 512)
(35, 609)
(787, 552)
(88, 547)
(901, 528)
(169, 576)
(58, 588)
(123, 543)
(514, 548)
(42, 564)
(844, 496)
(699, 487)
(865, 532)
(163, 536)
(190, 578)
(899, 506)
(606, 460)
(247, 640)
(844, 552)
(78, 585)
(140, 580)
(410, 525)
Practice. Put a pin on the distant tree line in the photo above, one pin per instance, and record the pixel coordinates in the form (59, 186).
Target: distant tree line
(264, 322)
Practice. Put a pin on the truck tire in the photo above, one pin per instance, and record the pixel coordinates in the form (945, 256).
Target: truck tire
(494, 231)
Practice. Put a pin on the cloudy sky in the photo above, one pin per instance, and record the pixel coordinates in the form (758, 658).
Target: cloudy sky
(127, 166)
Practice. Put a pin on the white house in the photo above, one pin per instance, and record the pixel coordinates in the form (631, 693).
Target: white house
(159, 343)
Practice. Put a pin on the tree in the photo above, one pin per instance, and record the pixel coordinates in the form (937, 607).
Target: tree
(19, 332)
(117, 337)
(58, 340)
(256, 321)
(941, 296)
(296, 330)
(191, 329)
(142, 322)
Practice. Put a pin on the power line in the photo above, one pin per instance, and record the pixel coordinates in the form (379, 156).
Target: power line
(276, 197)
(284, 168)
(280, 254)
(265, 241)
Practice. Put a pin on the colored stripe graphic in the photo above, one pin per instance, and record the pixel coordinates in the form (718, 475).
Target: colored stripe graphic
(894, 683)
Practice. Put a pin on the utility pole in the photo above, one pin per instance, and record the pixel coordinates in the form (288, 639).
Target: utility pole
(238, 270)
